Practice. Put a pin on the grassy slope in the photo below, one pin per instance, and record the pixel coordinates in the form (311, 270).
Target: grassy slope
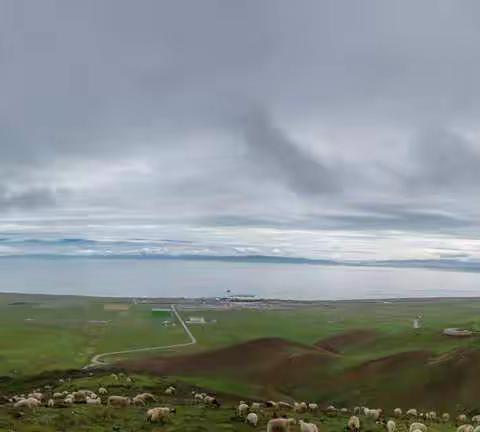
(82, 418)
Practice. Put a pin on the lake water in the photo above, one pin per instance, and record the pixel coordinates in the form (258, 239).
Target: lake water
(174, 278)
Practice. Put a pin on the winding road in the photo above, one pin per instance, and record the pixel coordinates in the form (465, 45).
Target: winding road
(97, 359)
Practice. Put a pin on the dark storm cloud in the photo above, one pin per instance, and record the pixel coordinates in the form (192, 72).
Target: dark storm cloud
(134, 108)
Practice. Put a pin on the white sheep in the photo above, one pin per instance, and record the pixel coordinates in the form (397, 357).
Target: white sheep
(417, 426)
(412, 412)
(93, 401)
(147, 397)
(357, 410)
(211, 401)
(300, 407)
(280, 424)
(170, 391)
(138, 401)
(313, 406)
(391, 426)
(465, 428)
(373, 413)
(397, 412)
(68, 400)
(198, 397)
(102, 391)
(50, 403)
(353, 424)
(476, 419)
(252, 419)
(29, 403)
(284, 405)
(446, 417)
(462, 418)
(36, 395)
(344, 410)
(242, 409)
(118, 401)
(255, 407)
(159, 414)
(432, 415)
(57, 395)
(308, 427)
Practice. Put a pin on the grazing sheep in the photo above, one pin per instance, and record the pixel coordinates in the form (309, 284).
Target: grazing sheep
(242, 409)
(57, 395)
(159, 414)
(92, 401)
(51, 403)
(255, 407)
(391, 426)
(446, 417)
(417, 426)
(102, 391)
(79, 396)
(211, 401)
(280, 425)
(397, 412)
(146, 397)
(118, 401)
(138, 401)
(170, 391)
(312, 406)
(462, 418)
(284, 405)
(465, 428)
(29, 403)
(373, 413)
(412, 412)
(353, 424)
(252, 419)
(68, 400)
(300, 407)
(36, 395)
(308, 427)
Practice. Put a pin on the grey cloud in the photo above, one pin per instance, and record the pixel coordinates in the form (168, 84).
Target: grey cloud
(26, 199)
(277, 156)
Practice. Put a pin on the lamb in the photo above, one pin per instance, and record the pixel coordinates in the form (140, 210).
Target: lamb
(308, 427)
(374, 413)
(412, 412)
(36, 395)
(391, 426)
(242, 409)
(280, 425)
(119, 401)
(255, 407)
(211, 401)
(446, 417)
(465, 428)
(102, 391)
(418, 426)
(159, 414)
(29, 403)
(353, 424)
(146, 397)
(138, 401)
(300, 407)
(170, 391)
(397, 412)
(252, 419)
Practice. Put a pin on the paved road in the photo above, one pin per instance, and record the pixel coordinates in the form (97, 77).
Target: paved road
(97, 359)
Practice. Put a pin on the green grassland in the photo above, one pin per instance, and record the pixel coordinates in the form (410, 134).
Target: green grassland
(52, 332)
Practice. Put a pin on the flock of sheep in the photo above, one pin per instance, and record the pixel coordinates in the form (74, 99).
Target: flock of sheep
(252, 414)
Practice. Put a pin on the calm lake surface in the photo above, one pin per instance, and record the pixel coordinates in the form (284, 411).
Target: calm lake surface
(173, 278)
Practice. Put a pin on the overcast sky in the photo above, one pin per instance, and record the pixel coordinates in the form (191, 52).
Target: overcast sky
(332, 129)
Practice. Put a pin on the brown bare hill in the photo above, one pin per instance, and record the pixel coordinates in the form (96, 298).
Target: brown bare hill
(254, 358)
(341, 342)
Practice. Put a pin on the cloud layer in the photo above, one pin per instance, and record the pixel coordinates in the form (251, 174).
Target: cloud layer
(324, 129)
